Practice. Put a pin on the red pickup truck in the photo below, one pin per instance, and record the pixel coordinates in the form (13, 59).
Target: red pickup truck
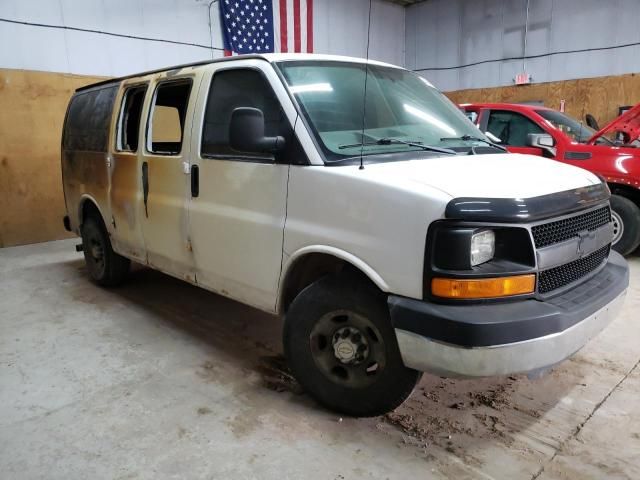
(612, 152)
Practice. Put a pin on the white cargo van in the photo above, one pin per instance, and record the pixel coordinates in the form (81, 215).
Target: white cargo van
(393, 236)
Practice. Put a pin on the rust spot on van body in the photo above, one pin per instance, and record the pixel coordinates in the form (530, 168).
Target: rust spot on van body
(125, 188)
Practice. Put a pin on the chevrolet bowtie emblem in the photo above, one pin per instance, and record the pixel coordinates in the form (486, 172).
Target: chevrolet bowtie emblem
(586, 242)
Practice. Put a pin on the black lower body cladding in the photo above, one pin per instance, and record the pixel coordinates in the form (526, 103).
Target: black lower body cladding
(490, 324)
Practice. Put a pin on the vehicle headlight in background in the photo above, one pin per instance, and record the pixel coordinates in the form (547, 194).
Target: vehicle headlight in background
(483, 247)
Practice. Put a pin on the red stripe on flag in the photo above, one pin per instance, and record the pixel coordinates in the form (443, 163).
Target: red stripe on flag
(283, 26)
(227, 53)
(296, 26)
(309, 26)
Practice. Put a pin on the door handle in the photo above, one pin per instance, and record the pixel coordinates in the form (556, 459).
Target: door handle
(145, 186)
(195, 180)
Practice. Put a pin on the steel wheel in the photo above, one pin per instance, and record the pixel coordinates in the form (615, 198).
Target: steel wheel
(618, 227)
(105, 267)
(342, 348)
(95, 250)
(348, 348)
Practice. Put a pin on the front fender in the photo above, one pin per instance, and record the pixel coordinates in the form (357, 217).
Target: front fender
(355, 261)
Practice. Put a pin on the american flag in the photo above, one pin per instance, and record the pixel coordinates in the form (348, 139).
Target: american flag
(266, 26)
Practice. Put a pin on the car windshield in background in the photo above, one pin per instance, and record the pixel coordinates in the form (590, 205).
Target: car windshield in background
(575, 130)
(403, 111)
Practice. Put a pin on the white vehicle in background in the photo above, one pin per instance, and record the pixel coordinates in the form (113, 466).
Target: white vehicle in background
(392, 235)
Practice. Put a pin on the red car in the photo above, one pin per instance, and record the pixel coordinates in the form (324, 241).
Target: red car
(543, 131)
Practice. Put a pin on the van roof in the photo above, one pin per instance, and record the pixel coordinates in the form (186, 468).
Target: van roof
(269, 57)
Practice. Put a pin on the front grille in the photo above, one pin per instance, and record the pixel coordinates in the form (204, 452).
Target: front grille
(565, 274)
(561, 230)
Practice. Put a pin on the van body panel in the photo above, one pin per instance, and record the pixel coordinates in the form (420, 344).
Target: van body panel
(84, 149)
(348, 209)
(236, 223)
(165, 221)
(125, 187)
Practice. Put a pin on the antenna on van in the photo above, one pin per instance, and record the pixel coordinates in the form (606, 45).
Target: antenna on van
(364, 99)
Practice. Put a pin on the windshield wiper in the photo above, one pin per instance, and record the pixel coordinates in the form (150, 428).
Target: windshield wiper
(467, 138)
(390, 141)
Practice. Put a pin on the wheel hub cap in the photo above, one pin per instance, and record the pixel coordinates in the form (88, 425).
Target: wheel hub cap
(348, 348)
(349, 345)
(96, 251)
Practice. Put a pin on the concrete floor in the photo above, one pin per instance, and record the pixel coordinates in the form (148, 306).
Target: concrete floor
(159, 379)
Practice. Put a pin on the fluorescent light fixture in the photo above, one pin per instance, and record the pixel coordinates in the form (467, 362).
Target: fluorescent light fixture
(430, 119)
(311, 87)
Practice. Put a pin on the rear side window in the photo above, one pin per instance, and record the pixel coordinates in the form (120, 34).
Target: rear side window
(88, 120)
(129, 122)
(165, 130)
(231, 89)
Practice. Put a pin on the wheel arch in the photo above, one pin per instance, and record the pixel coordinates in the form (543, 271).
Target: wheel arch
(626, 191)
(87, 205)
(309, 264)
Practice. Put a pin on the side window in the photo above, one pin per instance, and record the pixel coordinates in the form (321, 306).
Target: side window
(87, 123)
(129, 121)
(231, 89)
(165, 130)
(511, 128)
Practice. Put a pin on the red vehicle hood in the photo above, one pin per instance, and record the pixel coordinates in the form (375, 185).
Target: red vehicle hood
(629, 123)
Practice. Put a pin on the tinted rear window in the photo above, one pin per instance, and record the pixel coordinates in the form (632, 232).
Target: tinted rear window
(87, 126)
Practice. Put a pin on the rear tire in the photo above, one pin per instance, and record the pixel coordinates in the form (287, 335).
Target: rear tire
(626, 221)
(105, 267)
(342, 348)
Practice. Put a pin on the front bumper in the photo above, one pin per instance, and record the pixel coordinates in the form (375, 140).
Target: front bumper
(480, 340)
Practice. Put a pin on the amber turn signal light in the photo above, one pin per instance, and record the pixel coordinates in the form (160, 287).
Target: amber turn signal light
(483, 287)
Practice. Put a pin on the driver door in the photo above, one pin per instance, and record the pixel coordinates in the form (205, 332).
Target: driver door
(237, 212)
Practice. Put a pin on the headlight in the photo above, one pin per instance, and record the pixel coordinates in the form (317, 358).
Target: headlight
(483, 247)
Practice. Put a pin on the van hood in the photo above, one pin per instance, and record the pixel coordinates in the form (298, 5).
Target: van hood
(629, 123)
(489, 176)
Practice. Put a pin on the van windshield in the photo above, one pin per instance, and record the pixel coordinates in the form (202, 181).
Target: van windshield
(402, 111)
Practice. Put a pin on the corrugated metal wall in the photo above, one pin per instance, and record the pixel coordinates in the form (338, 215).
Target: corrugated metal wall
(450, 33)
(340, 28)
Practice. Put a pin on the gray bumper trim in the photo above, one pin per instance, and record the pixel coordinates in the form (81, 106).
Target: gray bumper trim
(425, 354)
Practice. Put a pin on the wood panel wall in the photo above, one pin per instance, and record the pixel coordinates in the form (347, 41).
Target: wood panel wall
(32, 109)
(600, 97)
(33, 104)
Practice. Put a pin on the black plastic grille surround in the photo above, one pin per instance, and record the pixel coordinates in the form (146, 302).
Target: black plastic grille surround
(561, 230)
(557, 277)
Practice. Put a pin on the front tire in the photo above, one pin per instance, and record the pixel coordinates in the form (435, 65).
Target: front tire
(105, 267)
(342, 348)
(626, 224)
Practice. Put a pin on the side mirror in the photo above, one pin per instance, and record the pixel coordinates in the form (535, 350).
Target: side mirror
(246, 132)
(543, 141)
(540, 140)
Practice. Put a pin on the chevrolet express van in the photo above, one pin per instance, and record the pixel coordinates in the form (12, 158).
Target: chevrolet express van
(391, 234)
